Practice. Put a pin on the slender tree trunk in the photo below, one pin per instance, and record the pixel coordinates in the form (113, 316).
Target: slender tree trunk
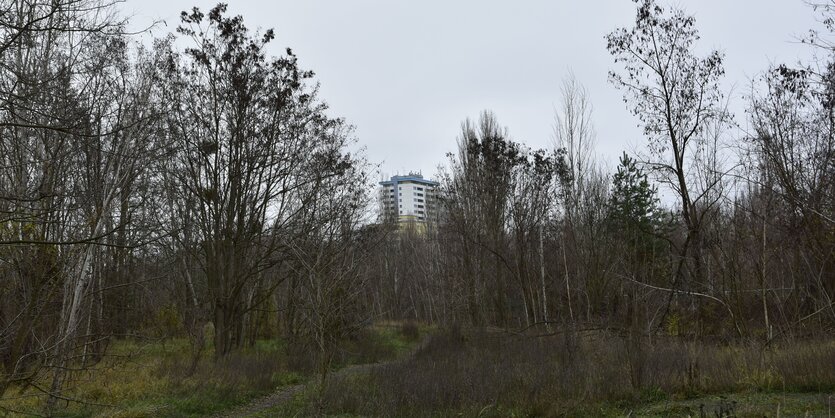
(763, 261)
(542, 279)
(567, 283)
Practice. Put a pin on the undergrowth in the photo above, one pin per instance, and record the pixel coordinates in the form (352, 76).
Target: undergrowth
(481, 373)
(151, 379)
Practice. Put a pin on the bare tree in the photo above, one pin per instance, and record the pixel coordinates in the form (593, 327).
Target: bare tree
(676, 96)
(251, 140)
(793, 147)
(574, 132)
(582, 194)
(77, 120)
(328, 263)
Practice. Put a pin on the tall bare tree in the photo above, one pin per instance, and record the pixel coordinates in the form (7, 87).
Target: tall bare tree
(676, 95)
(252, 138)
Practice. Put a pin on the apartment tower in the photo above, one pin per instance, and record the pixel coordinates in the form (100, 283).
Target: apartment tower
(409, 198)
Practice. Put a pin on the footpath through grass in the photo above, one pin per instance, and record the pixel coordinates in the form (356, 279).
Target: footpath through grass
(459, 373)
(149, 379)
(489, 374)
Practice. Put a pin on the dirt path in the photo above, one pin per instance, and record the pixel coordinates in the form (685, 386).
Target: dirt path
(286, 394)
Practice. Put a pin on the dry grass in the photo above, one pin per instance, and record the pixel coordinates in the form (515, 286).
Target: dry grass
(147, 380)
(493, 373)
(139, 379)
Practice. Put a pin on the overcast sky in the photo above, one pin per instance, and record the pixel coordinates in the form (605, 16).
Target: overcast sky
(406, 73)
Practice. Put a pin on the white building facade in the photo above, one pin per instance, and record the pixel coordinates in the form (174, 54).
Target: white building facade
(409, 198)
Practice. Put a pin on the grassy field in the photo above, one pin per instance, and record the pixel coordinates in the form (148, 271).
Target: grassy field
(495, 375)
(462, 373)
(147, 378)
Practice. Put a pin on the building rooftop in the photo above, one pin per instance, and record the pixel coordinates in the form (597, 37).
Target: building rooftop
(413, 177)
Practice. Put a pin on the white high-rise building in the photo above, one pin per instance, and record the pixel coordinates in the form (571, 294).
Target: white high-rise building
(408, 198)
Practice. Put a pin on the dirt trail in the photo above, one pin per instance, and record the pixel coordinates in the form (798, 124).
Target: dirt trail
(286, 394)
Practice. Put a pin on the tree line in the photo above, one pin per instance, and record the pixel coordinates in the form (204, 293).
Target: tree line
(742, 245)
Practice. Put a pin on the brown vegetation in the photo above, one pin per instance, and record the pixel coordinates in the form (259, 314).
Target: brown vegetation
(571, 374)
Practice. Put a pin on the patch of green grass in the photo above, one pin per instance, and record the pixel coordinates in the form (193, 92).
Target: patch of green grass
(379, 343)
(394, 339)
(275, 345)
(287, 378)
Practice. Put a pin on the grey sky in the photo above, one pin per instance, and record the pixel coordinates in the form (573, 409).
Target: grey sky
(406, 73)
